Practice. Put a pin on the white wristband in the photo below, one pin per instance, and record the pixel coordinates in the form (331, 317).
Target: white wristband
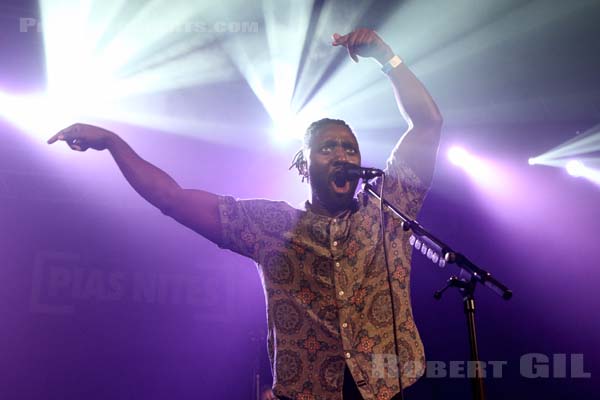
(391, 64)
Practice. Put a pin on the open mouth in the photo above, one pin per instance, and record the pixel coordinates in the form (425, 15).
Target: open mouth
(339, 183)
(339, 187)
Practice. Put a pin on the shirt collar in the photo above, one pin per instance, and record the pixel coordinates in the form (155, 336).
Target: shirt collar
(355, 206)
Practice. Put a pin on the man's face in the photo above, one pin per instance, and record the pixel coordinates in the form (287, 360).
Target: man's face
(332, 146)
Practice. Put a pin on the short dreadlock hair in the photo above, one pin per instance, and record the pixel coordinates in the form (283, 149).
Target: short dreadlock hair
(313, 130)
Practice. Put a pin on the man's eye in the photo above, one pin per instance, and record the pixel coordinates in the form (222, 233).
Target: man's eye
(325, 149)
(351, 151)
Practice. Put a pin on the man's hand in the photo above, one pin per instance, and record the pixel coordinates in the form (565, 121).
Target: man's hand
(365, 43)
(81, 137)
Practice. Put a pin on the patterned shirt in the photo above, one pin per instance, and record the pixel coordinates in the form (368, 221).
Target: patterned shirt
(327, 293)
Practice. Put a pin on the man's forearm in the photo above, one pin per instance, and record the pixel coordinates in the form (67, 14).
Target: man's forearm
(414, 101)
(153, 184)
(417, 148)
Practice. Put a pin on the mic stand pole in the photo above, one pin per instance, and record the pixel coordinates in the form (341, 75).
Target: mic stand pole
(465, 286)
(475, 368)
(256, 378)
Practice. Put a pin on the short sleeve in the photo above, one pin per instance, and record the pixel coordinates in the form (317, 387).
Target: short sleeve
(249, 226)
(403, 187)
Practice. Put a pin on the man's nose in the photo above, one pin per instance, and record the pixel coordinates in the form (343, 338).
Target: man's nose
(339, 154)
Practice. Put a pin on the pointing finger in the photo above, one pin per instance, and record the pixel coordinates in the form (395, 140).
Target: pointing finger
(56, 137)
(339, 40)
(66, 134)
(69, 132)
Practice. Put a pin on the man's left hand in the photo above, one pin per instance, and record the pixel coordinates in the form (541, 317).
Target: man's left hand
(365, 43)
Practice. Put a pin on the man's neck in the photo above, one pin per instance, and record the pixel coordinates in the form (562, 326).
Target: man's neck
(318, 207)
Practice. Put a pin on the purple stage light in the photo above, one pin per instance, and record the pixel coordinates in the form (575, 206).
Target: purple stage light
(458, 156)
(478, 168)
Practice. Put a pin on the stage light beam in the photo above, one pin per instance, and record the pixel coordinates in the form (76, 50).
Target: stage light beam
(578, 169)
(458, 156)
(487, 173)
(37, 115)
(575, 168)
(109, 65)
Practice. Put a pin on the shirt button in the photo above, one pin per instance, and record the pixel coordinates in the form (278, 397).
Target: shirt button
(337, 264)
(348, 355)
(341, 293)
(335, 243)
(344, 325)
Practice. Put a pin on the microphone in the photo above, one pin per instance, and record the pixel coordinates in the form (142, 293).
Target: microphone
(349, 172)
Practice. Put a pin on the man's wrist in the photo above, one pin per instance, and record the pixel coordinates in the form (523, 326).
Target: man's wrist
(392, 63)
(385, 56)
(110, 140)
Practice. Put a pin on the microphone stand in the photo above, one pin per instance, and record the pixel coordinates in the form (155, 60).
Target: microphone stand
(466, 286)
(256, 367)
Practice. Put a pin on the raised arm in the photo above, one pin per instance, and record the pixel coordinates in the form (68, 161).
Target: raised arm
(196, 209)
(418, 146)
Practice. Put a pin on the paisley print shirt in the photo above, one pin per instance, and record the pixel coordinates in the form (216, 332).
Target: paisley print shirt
(327, 293)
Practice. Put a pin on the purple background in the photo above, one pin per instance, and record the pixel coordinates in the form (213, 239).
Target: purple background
(76, 242)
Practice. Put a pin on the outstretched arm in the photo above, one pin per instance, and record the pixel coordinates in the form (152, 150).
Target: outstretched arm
(418, 146)
(196, 209)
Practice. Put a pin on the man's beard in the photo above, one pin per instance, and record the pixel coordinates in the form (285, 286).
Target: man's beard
(334, 195)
